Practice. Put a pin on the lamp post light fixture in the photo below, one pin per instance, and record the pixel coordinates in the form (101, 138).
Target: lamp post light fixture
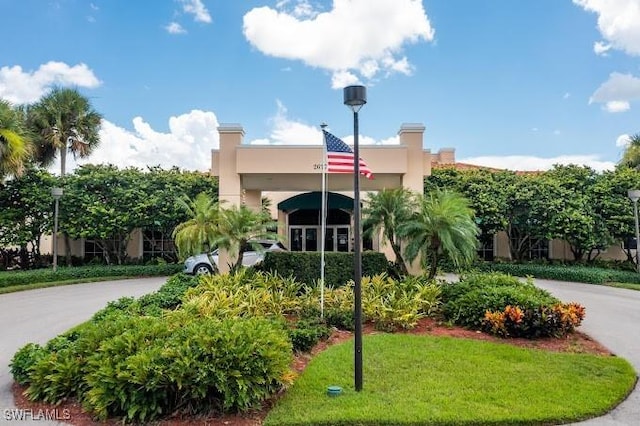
(56, 193)
(634, 195)
(355, 97)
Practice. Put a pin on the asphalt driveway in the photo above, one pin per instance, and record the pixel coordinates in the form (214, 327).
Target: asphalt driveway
(39, 315)
(612, 318)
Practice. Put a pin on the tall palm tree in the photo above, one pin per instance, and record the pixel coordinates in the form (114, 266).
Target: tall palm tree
(240, 225)
(15, 143)
(199, 233)
(387, 210)
(631, 156)
(442, 225)
(64, 121)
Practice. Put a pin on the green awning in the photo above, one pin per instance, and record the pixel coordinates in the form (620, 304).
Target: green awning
(313, 200)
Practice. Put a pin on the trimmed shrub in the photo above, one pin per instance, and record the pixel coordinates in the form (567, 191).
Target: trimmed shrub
(387, 303)
(305, 266)
(153, 369)
(14, 278)
(306, 333)
(574, 273)
(505, 306)
(23, 361)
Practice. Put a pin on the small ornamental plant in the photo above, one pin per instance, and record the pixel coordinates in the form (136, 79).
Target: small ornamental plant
(557, 321)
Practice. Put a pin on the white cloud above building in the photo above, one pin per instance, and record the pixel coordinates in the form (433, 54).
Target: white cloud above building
(20, 87)
(355, 40)
(197, 9)
(618, 23)
(617, 92)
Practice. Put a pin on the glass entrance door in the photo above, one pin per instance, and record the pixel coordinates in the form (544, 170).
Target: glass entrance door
(307, 238)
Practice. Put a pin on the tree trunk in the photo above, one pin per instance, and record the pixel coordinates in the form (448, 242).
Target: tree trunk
(399, 260)
(433, 269)
(63, 160)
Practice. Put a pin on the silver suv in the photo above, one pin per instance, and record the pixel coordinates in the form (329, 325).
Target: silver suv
(199, 264)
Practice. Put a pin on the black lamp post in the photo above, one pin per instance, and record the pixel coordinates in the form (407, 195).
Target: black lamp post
(355, 97)
(56, 193)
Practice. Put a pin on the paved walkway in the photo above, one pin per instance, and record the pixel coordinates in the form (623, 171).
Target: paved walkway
(39, 315)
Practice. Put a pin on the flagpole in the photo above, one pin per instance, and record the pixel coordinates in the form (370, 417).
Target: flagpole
(323, 219)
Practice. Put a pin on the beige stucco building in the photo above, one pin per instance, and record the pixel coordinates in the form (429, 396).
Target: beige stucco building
(291, 177)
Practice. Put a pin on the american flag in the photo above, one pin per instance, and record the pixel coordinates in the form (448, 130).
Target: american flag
(340, 157)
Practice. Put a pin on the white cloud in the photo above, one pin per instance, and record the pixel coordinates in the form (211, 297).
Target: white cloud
(623, 141)
(557, 132)
(600, 48)
(19, 87)
(285, 131)
(616, 106)
(187, 145)
(618, 23)
(617, 92)
(175, 28)
(356, 39)
(567, 95)
(531, 163)
(197, 9)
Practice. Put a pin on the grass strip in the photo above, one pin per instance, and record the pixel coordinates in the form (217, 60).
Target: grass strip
(426, 380)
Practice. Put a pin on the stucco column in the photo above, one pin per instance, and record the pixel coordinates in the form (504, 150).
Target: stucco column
(229, 183)
(411, 135)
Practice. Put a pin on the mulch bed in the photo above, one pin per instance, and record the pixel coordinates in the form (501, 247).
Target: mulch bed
(576, 343)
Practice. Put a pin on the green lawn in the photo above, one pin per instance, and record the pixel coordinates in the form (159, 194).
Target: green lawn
(425, 380)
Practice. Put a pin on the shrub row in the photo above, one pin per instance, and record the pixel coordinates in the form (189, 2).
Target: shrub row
(504, 305)
(563, 272)
(139, 368)
(305, 266)
(12, 278)
(387, 303)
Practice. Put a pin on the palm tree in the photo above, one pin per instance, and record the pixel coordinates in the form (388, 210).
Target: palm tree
(387, 210)
(443, 225)
(631, 156)
(64, 121)
(240, 225)
(15, 143)
(199, 233)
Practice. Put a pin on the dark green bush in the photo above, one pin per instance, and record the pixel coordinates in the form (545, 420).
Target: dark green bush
(12, 278)
(24, 360)
(467, 302)
(575, 273)
(151, 370)
(305, 266)
(306, 333)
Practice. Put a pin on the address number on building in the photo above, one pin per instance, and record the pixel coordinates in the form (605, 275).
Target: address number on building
(319, 166)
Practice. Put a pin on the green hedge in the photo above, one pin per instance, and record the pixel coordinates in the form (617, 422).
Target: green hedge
(305, 266)
(13, 278)
(505, 306)
(581, 274)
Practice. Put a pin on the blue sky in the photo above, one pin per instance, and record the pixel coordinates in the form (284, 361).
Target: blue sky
(517, 84)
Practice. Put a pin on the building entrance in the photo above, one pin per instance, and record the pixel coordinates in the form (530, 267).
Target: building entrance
(307, 238)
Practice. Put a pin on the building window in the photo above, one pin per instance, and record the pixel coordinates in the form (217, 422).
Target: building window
(629, 243)
(92, 250)
(538, 250)
(485, 250)
(156, 244)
